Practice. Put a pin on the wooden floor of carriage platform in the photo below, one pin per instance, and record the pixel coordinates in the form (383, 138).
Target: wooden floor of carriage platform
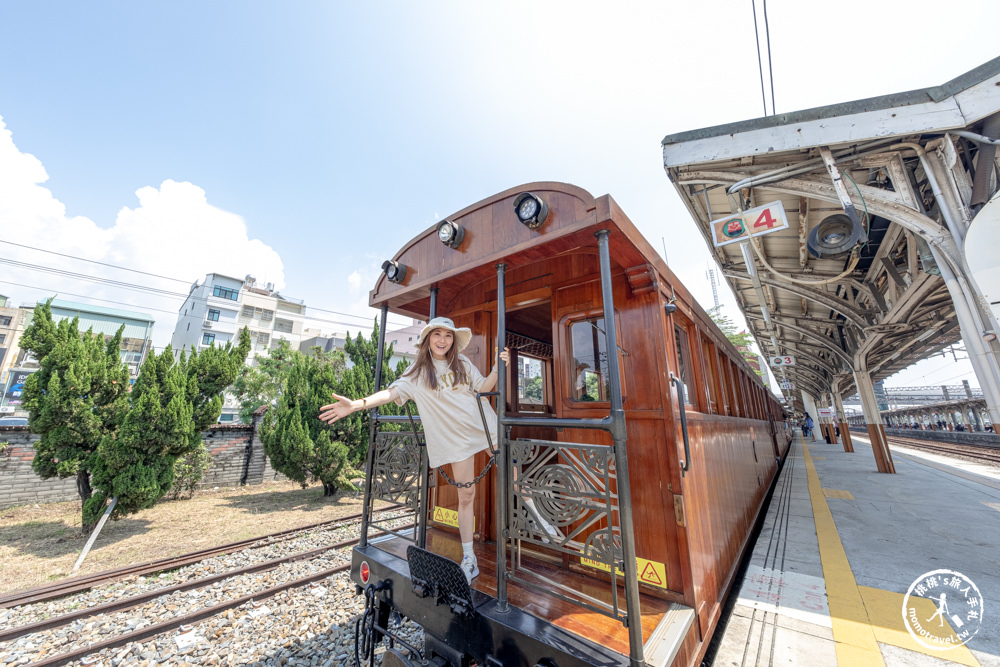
(841, 547)
(603, 630)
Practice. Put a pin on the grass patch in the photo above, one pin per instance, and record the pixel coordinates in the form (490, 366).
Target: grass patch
(40, 543)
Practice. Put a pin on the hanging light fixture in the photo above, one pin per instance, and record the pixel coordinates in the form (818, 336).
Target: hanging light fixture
(835, 236)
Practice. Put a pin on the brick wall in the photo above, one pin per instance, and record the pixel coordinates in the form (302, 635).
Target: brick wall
(237, 457)
(19, 485)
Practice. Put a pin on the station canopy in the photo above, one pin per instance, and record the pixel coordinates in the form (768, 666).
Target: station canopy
(877, 302)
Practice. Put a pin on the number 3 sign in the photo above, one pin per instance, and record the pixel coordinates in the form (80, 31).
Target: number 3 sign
(782, 361)
(753, 222)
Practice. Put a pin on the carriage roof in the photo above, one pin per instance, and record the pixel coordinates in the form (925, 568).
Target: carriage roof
(493, 234)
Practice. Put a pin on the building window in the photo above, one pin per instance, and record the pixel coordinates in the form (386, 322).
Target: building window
(283, 326)
(4, 321)
(267, 316)
(213, 315)
(207, 339)
(3, 337)
(225, 293)
(263, 338)
(226, 417)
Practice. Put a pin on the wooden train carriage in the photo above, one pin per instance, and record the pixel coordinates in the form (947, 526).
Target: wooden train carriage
(651, 464)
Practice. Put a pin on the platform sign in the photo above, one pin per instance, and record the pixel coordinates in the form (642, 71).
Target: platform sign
(786, 360)
(785, 384)
(753, 222)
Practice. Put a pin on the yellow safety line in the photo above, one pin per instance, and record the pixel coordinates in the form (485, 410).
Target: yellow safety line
(852, 632)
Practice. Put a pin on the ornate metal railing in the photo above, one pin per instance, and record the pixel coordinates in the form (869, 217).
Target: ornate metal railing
(399, 476)
(565, 498)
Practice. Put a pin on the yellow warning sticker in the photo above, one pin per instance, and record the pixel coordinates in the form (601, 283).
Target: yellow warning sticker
(449, 517)
(650, 571)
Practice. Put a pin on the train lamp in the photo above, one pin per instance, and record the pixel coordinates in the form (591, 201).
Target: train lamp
(394, 271)
(450, 233)
(836, 236)
(531, 210)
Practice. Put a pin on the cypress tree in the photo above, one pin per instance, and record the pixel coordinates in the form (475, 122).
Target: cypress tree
(297, 443)
(77, 396)
(359, 381)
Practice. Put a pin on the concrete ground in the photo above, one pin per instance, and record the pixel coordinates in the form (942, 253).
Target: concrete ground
(841, 547)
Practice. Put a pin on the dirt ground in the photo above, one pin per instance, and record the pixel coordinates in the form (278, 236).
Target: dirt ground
(40, 543)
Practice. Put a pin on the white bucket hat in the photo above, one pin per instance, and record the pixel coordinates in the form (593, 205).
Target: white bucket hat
(462, 335)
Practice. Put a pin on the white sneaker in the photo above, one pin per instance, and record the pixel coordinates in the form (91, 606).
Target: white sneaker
(470, 567)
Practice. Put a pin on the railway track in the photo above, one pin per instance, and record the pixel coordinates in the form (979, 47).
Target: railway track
(979, 454)
(336, 555)
(78, 584)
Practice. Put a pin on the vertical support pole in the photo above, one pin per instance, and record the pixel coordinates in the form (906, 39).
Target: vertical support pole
(434, 304)
(845, 428)
(503, 447)
(369, 460)
(618, 435)
(876, 432)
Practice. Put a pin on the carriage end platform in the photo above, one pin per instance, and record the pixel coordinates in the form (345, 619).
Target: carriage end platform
(844, 549)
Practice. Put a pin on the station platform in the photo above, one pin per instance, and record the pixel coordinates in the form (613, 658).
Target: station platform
(843, 547)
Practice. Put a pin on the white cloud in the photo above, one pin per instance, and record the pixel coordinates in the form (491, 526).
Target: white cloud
(354, 280)
(173, 232)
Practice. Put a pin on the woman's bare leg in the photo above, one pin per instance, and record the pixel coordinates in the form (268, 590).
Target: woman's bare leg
(464, 472)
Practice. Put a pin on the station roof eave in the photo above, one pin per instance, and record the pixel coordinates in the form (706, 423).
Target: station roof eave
(891, 307)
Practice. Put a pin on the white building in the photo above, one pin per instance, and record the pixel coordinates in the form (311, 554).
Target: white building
(217, 309)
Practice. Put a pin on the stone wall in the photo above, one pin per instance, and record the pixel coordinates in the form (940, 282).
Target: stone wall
(237, 458)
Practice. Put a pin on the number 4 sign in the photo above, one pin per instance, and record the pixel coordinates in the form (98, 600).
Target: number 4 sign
(753, 222)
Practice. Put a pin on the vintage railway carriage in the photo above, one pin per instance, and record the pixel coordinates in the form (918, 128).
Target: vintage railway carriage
(630, 425)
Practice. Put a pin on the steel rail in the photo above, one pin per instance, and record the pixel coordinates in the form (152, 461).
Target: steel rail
(77, 584)
(193, 617)
(136, 600)
(977, 453)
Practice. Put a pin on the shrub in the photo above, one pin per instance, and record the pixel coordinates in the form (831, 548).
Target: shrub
(189, 470)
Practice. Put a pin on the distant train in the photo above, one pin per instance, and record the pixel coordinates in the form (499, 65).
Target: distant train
(629, 424)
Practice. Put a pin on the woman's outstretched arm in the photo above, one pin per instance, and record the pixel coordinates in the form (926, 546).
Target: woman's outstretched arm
(343, 406)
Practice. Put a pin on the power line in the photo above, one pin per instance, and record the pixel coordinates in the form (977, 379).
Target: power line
(760, 66)
(143, 288)
(160, 310)
(770, 63)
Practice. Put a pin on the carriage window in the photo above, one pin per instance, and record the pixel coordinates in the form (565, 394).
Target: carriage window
(684, 361)
(531, 384)
(712, 374)
(590, 360)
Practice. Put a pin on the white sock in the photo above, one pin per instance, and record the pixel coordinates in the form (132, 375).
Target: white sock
(467, 550)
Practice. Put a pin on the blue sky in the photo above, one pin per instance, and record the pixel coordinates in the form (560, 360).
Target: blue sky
(306, 142)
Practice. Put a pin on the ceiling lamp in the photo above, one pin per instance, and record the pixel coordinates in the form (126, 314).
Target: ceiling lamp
(450, 233)
(835, 236)
(531, 210)
(394, 271)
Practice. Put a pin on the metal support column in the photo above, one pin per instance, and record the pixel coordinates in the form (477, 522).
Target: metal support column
(363, 542)
(503, 458)
(873, 421)
(618, 434)
(845, 428)
(434, 304)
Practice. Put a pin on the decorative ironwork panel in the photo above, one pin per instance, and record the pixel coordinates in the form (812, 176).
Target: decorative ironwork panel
(396, 468)
(566, 498)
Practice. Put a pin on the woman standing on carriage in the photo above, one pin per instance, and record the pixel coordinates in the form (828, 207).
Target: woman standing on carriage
(444, 384)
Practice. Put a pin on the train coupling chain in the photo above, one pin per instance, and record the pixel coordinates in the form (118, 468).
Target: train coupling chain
(379, 621)
(439, 578)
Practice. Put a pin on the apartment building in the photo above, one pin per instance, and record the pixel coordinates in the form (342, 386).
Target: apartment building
(217, 309)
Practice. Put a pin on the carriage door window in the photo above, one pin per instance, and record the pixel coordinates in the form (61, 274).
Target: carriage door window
(684, 361)
(712, 374)
(590, 360)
